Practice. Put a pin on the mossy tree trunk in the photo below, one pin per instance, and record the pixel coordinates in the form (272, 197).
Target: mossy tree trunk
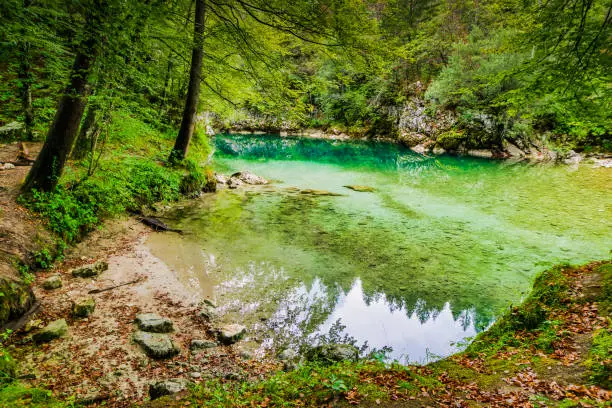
(49, 165)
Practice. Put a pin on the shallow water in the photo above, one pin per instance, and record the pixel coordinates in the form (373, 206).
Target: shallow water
(424, 262)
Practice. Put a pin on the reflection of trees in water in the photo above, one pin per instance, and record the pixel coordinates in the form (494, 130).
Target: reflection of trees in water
(376, 154)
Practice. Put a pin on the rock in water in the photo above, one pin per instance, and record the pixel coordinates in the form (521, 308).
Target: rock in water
(89, 271)
(156, 345)
(248, 178)
(361, 189)
(333, 353)
(52, 331)
(167, 387)
(309, 191)
(152, 323)
(221, 179)
(52, 282)
(83, 307)
(231, 333)
(234, 183)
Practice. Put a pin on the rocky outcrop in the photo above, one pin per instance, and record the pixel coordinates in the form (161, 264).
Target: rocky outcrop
(361, 189)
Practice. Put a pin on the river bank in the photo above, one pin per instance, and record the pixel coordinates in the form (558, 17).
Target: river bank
(100, 347)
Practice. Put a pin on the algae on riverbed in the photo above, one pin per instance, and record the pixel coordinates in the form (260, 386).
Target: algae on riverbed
(431, 257)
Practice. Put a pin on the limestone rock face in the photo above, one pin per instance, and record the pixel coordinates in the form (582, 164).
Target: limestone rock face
(52, 282)
(156, 345)
(333, 353)
(167, 387)
(89, 271)
(153, 323)
(52, 331)
(83, 307)
(231, 333)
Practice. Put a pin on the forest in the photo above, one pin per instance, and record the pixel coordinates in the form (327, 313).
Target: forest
(428, 224)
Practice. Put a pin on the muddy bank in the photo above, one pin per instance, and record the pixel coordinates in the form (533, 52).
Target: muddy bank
(98, 358)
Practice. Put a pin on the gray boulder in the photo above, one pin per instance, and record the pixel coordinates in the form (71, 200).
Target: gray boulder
(221, 179)
(248, 178)
(83, 307)
(234, 183)
(52, 282)
(153, 323)
(231, 333)
(89, 271)
(156, 345)
(168, 387)
(52, 331)
(333, 353)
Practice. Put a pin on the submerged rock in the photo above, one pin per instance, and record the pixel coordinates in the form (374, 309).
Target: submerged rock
(52, 282)
(83, 307)
(156, 345)
(248, 178)
(153, 323)
(89, 271)
(52, 331)
(333, 353)
(231, 333)
(361, 189)
(167, 387)
(309, 191)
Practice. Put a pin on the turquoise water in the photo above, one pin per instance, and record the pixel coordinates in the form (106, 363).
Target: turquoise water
(439, 249)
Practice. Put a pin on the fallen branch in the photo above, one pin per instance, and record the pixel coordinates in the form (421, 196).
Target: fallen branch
(114, 287)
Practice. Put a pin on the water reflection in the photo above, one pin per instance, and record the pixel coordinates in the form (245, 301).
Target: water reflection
(415, 335)
(429, 258)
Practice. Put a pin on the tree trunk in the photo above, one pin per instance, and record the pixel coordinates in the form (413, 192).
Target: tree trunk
(25, 78)
(87, 134)
(47, 169)
(193, 93)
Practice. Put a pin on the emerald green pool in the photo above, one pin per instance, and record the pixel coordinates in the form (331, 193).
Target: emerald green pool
(439, 249)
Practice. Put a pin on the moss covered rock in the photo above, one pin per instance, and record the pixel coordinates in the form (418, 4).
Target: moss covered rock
(16, 298)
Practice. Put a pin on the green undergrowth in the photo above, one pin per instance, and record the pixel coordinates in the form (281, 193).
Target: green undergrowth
(131, 176)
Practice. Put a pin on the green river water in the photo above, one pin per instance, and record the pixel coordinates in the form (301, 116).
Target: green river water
(439, 249)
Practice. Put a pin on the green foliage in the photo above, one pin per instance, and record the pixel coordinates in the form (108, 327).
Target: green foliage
(7, 364)
(599, 362)
(17, 394)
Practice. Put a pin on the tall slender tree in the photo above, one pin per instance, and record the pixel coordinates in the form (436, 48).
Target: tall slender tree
(48, 167)
(193, 93)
